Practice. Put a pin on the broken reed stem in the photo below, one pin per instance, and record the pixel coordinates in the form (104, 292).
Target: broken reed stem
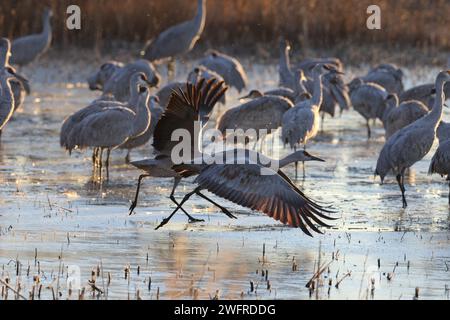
(18, 294)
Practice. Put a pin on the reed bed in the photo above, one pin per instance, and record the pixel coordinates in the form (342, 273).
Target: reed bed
(241, 24)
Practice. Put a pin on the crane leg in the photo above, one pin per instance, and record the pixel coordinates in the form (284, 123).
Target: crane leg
(100, 161)
(402, 189)
(186, 197)
(322, 122)
(224, 210)
(448, 191)
(296, 165)
(303, 164)
(172, 197)
(134, 203)
(368, 129)
(94, 162)
(108, 153)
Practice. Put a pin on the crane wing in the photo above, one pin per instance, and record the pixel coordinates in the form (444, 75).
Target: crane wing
(275, 195)
(183, 110)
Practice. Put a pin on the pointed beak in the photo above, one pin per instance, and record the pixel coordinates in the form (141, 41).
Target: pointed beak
(244, 97)
(313, 158)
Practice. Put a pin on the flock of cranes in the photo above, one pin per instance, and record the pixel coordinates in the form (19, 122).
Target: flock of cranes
(128, 115)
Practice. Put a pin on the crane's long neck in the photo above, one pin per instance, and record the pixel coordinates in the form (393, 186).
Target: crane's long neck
(143, 117)
(284, 63)
(4, 58)
(288, 159)
(6, 101)
(133, 101)
(200, 17)
(317, 90)
(47, 29)
(436, 114)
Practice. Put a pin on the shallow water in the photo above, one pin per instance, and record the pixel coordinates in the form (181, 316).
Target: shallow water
(48, 206)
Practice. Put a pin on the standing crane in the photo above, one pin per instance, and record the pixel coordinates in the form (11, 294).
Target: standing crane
(176, 40)
(411, 143)
(26, 49)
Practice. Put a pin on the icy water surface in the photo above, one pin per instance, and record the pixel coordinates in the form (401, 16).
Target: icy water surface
(52, 218)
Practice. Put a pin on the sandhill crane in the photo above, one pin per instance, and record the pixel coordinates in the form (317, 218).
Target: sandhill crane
(178, 116)
(19, 84)
(98, 79)
(263, 112)
(113, 78)
(228, 67)
(369, 100)
(334, 89)
(28, 48)
(239, 179)
(156, 112)
(424, 93)
(6, 96)
(411, 143)
(201, 72)
(443, 131)
(108, 124)
(440, 163)
(273, 194)
(301, 123)
(388, 76)
(166, 91)
(176, 40)
(397, 116)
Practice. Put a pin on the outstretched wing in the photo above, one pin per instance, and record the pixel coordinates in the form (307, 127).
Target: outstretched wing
(183, 110)
(275, 194)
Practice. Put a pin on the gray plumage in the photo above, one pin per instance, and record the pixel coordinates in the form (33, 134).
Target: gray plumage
(263, 112)
(369, 100)
(411, 143)
(118, 83)
(425, 93)
(440, 163)
(178, 39)
(388, 76)
(443, 131)
(98, 79)
(334, 89)
(6, 97)
(108, 124)
(400, 115)
(228, 67)
(19, 85)
(156, 112)
(184, 108)
(301, 123)
(241, 181)
(28, 48)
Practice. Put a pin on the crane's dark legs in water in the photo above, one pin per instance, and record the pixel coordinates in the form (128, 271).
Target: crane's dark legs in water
(448, 179)
(100, 161)
(400, 181)
(186, 197)
(303, 163)
(224, 210)
(368, 129)
(172, 197)
(296, 165)
(108, 153)
(175, 184)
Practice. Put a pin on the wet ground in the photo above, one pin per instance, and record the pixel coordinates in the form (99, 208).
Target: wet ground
(53, 220)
